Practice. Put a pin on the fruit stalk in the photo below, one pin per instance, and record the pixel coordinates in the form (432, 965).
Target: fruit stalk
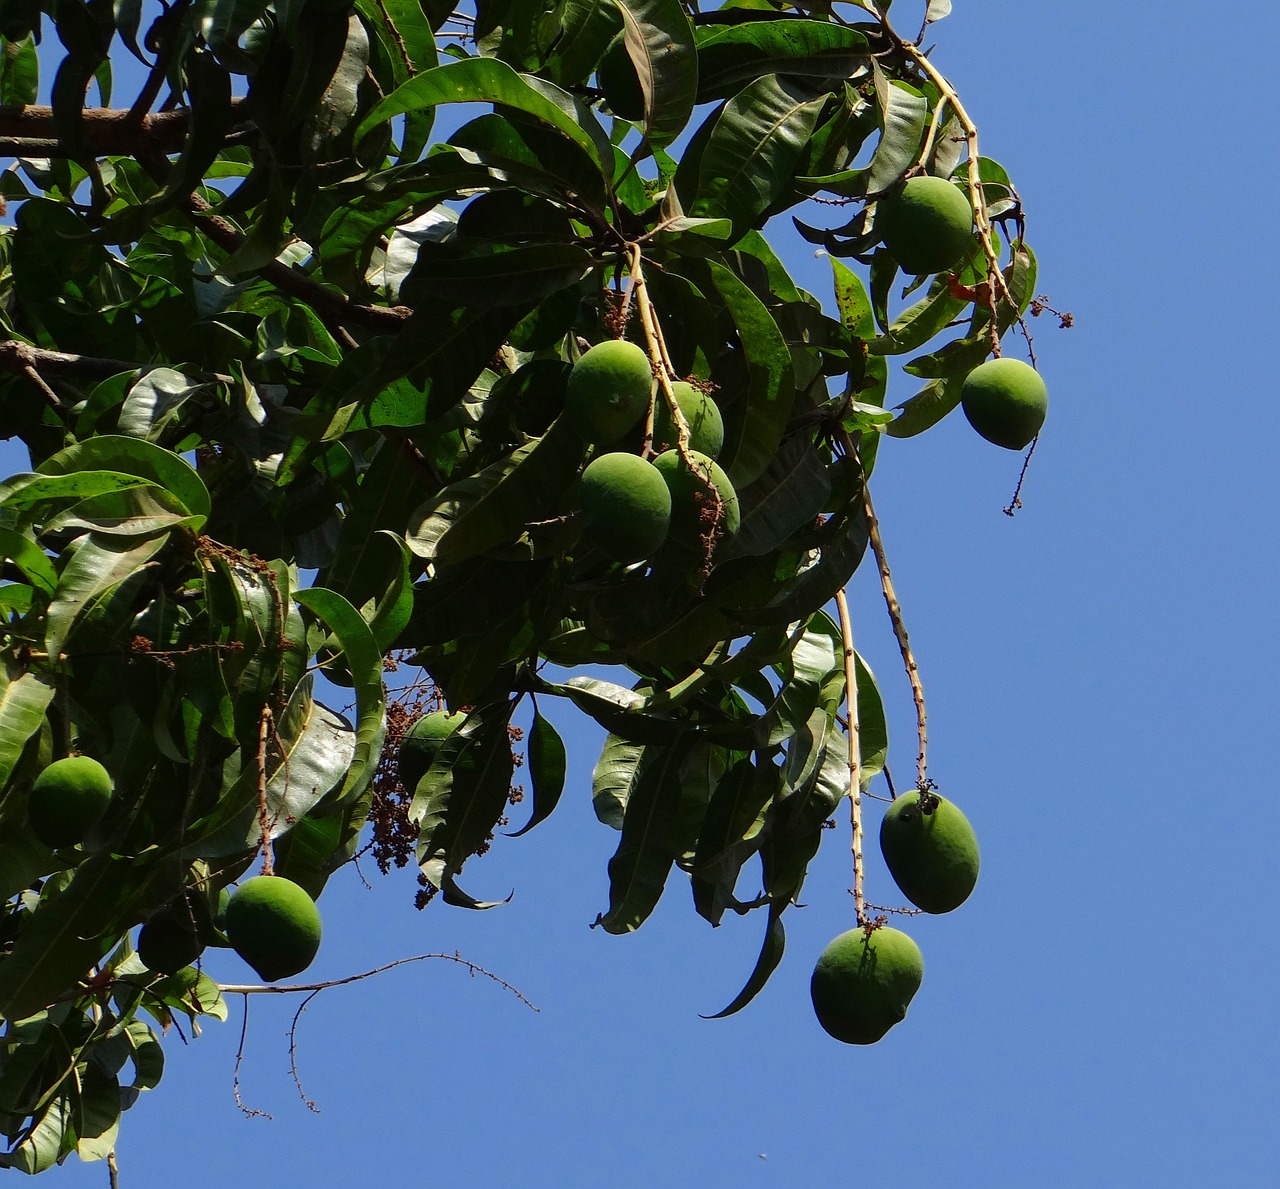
(658, 357)
(264, 819)
(981, 218)
(900, 631)
(855, 750)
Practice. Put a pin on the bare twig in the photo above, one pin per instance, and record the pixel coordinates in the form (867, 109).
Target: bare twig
(899, 631)
(249, 1112)
(1016, 503)
(293, 1053)
(266, 723)
(113, 1170)
(855, 748)
(473, 968)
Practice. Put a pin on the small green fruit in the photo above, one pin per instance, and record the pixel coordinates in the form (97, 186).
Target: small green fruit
(421, 742)
(927, 225)
(626, 506)
(608, 390)
(931, 851)
(620, 83)
(274, 926)
(863, 983)
(706, 426)
(1005, 401)
(67, 799)
(170, 940)
(693, 502)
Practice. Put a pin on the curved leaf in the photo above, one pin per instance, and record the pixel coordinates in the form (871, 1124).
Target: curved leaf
(547, 762)
(733, 55)
(659, 39)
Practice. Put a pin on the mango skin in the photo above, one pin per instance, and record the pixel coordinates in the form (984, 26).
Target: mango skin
(274, 926)
(706, 425)
(626, 507)
(927, 225)
(608, 391)
(690, 494)
(68, 799)
(1006, 401)
(863, 983)
(421, 742)
(933, 856)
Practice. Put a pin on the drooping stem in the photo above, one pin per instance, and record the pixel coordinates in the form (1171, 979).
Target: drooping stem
(658, 357)
(265, 723)
(855, 750)
(900, 632)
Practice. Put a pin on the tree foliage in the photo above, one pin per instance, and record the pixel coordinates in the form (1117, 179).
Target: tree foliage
(287, 340)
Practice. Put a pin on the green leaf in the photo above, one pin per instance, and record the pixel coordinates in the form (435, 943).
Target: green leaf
(310, 753)
(19, 73)
(751, 439)
(749, 159)
(29, 558)
(515, 277)
(111, 452)
(660, 44)
(24, 699)
(533, 489)
(94, 568)
(732, 55)
(70, 931)
(904, 118)
(730, 834)
(463, 794)
(547, 763)
(486, 80)
(364, 660)
(613, 779)
(775, 940)
(668, 785)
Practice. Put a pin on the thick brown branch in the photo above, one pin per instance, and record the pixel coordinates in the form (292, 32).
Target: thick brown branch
(108, 131)
(18, 357)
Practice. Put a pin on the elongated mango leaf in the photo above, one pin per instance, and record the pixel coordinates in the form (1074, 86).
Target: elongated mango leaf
(463, 794)
(69, 931)
(532, 490)
(547, 763)
(113, 452)
(652, 838)
(309, 752)
(733, 55)
(95, 567)
(30, 559)
(660, 44)
(775, 940)
(24, 699)
(749, 159)
(904, 118)
(487, 80)
(730, 835)
(520, 276)
(752, 442)
(364, 661)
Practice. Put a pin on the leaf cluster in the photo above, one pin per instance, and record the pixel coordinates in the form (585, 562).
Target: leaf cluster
(287, 341)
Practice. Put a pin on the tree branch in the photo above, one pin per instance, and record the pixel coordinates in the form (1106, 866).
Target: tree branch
(108, 131)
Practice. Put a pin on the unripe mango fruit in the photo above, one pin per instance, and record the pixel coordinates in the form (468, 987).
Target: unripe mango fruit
(693, 502)
(626, 506)
(706, 426)
(926, 225)
(931, 851)
(608, 390)
(68, 798)
(863, 983)
(421, 742)
(1006, 401)
(274, 926)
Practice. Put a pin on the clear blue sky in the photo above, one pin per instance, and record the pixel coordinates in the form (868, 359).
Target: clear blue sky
(1101, 678)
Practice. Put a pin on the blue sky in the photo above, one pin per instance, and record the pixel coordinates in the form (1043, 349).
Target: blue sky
(1101, 678)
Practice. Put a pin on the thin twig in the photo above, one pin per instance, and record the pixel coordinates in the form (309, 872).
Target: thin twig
(1016, 503)
(295, 988)
(265, 724)
(293, 1052)
(249, 1112)
(899, 631)
(855, 749)
(113, 1170)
